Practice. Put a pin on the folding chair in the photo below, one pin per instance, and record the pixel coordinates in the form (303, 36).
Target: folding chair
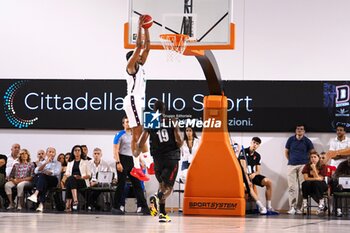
(179, 190)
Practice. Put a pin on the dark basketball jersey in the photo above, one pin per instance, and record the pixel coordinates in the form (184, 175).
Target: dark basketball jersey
(251, 159)
(163, 143)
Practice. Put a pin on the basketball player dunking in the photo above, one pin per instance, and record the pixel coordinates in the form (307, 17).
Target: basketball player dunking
(134, 102)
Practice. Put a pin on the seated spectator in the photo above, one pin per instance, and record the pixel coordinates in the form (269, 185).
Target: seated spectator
(330, 169)
(63, 180)
(250, 161)
(314, 184)
(21, 176)
(48, 172)
(188, 151)
(343, 169)
(62, 160)
(40, 157)
(249, 186)
(96, 165)
(85, 152)
(12, 158)
(67, 157)
(78, 175)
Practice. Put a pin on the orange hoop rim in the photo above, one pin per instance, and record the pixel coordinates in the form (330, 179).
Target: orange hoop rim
(176, 39)
(178, 43)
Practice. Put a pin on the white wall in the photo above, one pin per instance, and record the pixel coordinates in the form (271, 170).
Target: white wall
(83, 39)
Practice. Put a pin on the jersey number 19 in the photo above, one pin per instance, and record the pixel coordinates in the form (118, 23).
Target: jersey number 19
(163, 135)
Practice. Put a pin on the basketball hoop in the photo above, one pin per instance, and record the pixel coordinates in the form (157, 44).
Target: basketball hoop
(174, 45)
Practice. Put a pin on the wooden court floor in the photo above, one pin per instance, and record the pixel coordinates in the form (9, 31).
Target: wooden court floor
(12, 222)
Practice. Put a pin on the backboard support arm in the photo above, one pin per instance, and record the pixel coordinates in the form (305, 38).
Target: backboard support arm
(211, 72)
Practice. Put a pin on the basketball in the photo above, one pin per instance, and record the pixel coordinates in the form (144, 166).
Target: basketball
(147, 21)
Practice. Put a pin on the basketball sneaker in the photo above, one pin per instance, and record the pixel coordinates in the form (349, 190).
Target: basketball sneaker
(137, 173)
(150, 170)
(154, 205)
(272, 211)
(262, 210)
(164, 218)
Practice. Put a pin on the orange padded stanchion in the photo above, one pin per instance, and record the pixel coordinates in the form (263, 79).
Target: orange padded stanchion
(214, 184)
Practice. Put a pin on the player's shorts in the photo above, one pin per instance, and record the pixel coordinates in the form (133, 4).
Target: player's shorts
(133, 107)
(258, 180)
(166, 170)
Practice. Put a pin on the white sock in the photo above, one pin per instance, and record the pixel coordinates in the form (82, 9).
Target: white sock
(259, 204)
(147, 158)
(268, 204)
(136, 162)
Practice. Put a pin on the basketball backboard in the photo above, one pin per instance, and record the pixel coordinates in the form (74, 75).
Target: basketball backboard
(207, 22)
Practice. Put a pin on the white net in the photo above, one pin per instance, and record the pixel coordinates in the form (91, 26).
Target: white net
(174, 45)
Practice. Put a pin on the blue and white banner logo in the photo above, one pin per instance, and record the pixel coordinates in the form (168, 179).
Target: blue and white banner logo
(151, 120)
(342, 100)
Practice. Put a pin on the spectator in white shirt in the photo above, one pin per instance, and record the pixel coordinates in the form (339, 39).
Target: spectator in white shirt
(339, 143)
(13, 158)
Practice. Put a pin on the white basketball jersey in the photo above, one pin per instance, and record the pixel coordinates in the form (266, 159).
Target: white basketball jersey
(136, 83)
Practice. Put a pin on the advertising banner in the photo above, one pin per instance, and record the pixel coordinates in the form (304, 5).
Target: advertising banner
(253, 106)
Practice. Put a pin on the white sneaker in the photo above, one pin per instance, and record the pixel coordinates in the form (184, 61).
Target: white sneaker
(19, 207)
(291, 211)
(33, 198)
(122, 208)
(262, 210)
(40, 208)
(139, 210)
(299, 211)
(339, 213)
(10, 207)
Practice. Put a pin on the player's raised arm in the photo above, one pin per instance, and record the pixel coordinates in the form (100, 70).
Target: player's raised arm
(131, 66)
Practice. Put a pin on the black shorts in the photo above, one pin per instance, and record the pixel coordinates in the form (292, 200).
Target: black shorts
(166, 170)
(258, 180)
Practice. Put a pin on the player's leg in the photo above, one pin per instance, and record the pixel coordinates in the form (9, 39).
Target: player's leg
(154, 200)
(168, 176)
(136, 133)
(267, 183)
(261, 207)
(133, 106)
(147, 159)
(137, 171)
